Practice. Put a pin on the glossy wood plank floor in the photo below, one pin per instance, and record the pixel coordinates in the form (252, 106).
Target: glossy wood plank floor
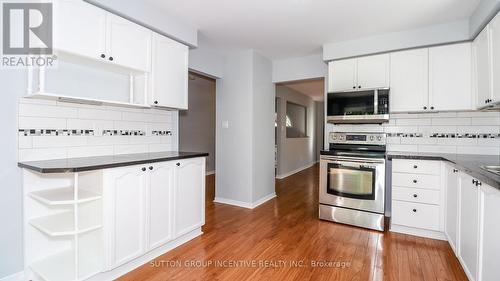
(286, 231)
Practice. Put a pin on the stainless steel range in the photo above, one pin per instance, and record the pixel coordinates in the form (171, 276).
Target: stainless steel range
(352, 180)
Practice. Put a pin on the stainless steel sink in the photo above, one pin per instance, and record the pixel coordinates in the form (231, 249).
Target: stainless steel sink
(492, 169)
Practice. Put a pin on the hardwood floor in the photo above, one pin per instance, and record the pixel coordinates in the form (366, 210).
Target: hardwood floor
(287, 232)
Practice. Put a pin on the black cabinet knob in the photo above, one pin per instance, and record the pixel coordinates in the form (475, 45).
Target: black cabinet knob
(455, 171)
(414, 181)
(432, 107)
(150, 167)
(359, 87)
(111, 58)
(415, 195)
(103, 55)
(414, 210)
(415, 166)
(143, 169)
(155, 102)
(425, 107)
(354, 87)
(474, 181)
(478, 183)
(178, 164)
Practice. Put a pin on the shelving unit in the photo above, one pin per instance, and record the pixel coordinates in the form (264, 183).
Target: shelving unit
(63, 225)
(63, 196)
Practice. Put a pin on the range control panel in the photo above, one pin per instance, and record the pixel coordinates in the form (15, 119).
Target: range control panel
(358, 138)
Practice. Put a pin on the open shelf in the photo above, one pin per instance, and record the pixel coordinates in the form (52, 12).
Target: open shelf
(63, 196)
(62, 224)
(71, 99)
(61, 267)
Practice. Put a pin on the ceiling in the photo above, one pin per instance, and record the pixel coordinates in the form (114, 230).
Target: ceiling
(315, 88)
(289, 28)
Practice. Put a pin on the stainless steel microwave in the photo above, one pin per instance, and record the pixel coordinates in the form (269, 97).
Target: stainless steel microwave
(358, 107)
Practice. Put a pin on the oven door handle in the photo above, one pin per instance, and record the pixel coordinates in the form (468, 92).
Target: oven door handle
(355, 165)
(336, 159)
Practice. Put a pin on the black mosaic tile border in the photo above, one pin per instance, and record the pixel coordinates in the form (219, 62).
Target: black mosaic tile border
(445, 135)
(70, 132)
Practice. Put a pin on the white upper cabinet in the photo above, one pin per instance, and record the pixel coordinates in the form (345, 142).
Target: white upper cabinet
(342, 75)
(409, 80)
(189, 195)
(482, 75)
(160, 203)
(359, 73)
(495, 58)
(128, 44)
(489, 229)
(373, 72)
(469, 226)
(79, 28)
(450, 77)
(169, 81)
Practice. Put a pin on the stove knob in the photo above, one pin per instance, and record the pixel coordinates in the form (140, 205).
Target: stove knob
(372, 138)
(379, 138)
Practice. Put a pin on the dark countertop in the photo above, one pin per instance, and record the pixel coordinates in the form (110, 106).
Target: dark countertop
(470, 164)
(72, 165)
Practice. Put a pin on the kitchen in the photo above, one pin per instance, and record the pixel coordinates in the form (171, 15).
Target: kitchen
(96, 187)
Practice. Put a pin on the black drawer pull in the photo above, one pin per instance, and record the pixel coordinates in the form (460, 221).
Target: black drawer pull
(414, 210)
(414, 181)
(143, 169)
(178, 164)
(415, 166)
(150, 167)
(415, 195)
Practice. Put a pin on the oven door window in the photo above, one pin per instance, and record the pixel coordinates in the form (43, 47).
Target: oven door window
(351, 103)
(351, 182)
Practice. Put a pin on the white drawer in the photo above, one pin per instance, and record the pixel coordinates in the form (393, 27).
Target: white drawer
(416, 166)
(415, 215)
(416, 195)
(416, 180)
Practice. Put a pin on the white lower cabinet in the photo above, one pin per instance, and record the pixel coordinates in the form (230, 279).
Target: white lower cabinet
(124, 212)
(189, 195)
(451, 219)
(146, 206)
(489, 253)
(468, 225)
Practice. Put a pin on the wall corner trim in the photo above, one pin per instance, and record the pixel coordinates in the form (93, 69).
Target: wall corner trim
(245, 205)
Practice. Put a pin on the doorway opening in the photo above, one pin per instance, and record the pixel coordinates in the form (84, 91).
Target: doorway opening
(299, 125)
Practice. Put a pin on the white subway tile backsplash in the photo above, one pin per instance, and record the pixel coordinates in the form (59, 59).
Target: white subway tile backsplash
(478, 114)
(393, 140)
(419, 121)
(402, 147)
(86, 125)
(489, 142)
(486, 121)
(478, 129)
(451, 121)
(41, 123)
(486, 150)
(418, 140)
(437, 115)
(437, 149)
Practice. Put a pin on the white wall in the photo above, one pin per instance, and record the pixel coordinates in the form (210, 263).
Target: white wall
(244, 150)
(484, 12)
(11, 237)
(295, 153)
(153, 18)
(263, 128)
(299, 68)
(206, 60)
(434, 35)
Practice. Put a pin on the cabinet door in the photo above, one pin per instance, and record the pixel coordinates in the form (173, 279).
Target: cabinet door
(159, 203)
(490, 229)
(124, 208)
(373, 72)
(189, 195)
(409, 80)
(450, 77)
(128, 44)
(469, 226)
(169, 83)
(342, 75)
(451, 219)
(79, 28)
(482, 68)
(495, 58)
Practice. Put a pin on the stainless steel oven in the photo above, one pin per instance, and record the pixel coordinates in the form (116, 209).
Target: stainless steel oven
(367, 106)
(352, 180)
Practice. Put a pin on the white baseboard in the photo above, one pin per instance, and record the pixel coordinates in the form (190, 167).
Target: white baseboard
(146, 258)
(418, 232)
(210, 173)
(282, 176)
(243, 204)
(19, 276)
